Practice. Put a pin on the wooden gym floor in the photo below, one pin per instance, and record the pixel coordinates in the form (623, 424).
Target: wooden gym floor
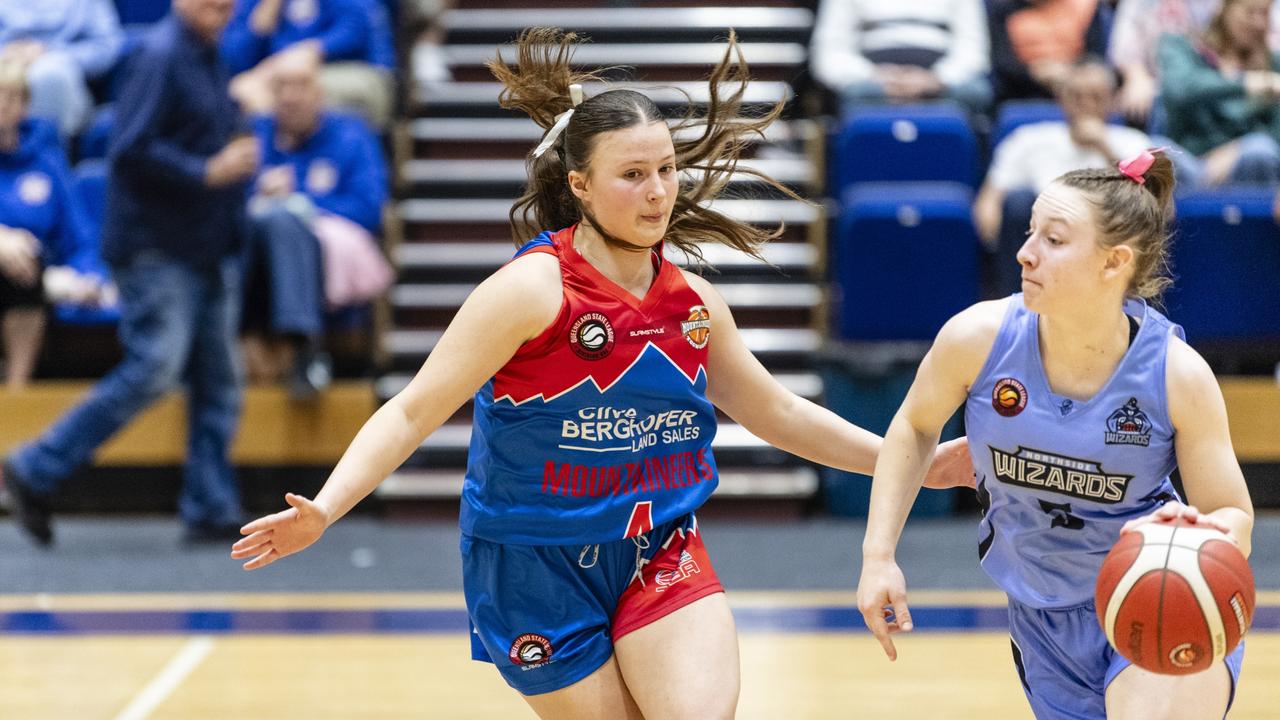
(406, 655)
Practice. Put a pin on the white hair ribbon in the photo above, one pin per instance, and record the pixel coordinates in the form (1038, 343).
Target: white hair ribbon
(562, 121)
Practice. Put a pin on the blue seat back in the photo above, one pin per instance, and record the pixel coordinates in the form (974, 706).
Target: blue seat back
(1226, 258)
(904, 143)
(905, 259)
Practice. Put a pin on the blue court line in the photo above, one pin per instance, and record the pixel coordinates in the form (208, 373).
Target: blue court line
(454, 620)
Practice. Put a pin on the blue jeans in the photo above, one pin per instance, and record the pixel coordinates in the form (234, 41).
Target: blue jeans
(283, 258)
(177, 326)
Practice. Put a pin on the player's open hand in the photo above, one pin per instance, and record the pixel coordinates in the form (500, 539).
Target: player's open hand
(882, 600)
(270, 538)
(952, 466)
(1174, 510)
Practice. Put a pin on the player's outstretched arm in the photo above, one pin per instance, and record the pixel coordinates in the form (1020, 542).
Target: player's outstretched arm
(940, 387)
(511, 307)
(740, 386)
(1211, 474)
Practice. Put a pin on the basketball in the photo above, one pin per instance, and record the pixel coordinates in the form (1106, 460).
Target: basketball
(1174, 599)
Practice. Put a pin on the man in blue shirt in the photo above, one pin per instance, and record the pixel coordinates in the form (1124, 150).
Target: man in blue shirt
(350, 39)
(317, 165)
(172, 233)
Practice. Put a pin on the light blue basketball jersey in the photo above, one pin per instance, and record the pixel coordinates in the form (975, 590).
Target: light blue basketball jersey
(1057, 477)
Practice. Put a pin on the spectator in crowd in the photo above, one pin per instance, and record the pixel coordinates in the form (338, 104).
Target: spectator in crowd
(1033, 155)
(1221, 95)
(1034, 43)
(427, 60)
(323, 173)
(907, 51)
(172, 232)
(42, 230)
(350, 38)
(63, 44)
(1135, 36)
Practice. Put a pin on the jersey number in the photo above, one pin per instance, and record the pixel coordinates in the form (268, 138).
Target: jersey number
(1061, 514)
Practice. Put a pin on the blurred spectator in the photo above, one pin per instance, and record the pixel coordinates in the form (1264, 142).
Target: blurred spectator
(1034, 43)
(1221, 95)
(1033, 155)
(43, 231)
(427, 60)
(172, 232)
(63, 44)
(906, 51)
(323, 173)
(351, 38)
(1135, 37)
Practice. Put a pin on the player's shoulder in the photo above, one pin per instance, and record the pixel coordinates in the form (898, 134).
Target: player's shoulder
(705, 290)
(528, 287)
(976, 325)
(1185, 369)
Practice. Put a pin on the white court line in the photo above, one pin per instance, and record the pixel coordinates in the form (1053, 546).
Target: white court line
(188, 658)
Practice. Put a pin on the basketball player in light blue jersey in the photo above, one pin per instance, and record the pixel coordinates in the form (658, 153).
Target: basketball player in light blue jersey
(1080, 399)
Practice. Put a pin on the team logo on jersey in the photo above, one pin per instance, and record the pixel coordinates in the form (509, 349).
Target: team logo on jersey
(697, 329)
(591, 336)
(1009, 397)
(34, 188)
(1128, 426)
(688, 567)
(322, 177)
(1040, 470)
(530, 650)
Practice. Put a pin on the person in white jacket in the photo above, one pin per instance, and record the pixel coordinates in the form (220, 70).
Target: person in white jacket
(867, 51)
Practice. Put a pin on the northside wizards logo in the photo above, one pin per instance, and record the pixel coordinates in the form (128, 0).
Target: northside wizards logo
(1128, 426)
(591, 336)
(697, 329)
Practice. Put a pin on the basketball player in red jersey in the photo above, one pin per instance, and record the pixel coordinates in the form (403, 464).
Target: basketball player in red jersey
(594, 363)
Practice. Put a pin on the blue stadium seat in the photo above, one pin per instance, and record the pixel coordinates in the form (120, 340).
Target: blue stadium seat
(905, 256)
(1226, 257)
(1014, 114)
(91, 190)
(911, 143)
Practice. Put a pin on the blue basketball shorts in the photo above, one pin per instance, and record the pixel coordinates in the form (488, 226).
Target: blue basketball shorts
(547, 615)
(1065, 662)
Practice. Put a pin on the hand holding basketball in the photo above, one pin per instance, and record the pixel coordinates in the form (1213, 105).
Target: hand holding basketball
(272, 537)
(1175, 595)
(1173, 511)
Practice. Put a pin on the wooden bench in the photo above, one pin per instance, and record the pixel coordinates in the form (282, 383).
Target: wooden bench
(274, 430)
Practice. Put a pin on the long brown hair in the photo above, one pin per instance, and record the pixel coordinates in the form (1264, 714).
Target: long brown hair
(707, 143)
(1215, 38)
(1135, 215)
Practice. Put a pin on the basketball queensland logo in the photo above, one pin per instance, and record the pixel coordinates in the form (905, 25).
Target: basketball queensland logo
(591, 336)
(530, 650)
(697, 329)
(1009, 397)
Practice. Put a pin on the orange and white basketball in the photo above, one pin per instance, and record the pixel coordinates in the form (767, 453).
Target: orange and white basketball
(1175, 599)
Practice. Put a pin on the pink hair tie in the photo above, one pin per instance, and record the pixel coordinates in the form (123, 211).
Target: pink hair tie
(1136, 167)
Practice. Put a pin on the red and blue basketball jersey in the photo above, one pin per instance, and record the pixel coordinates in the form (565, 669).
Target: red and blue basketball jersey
(599, 428)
